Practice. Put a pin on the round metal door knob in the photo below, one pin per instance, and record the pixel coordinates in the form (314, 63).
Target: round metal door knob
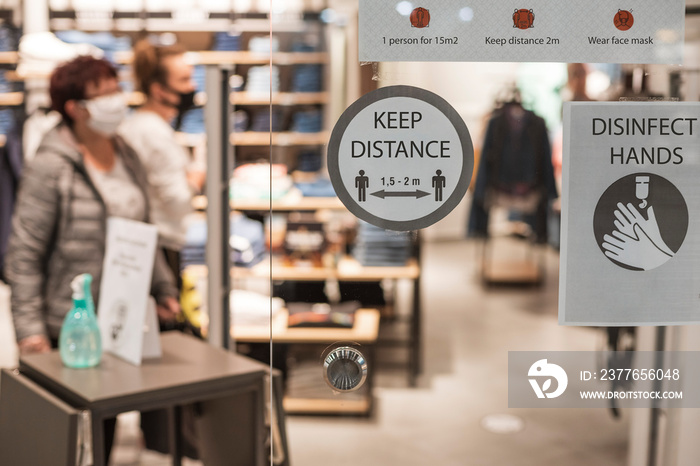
(345, 369)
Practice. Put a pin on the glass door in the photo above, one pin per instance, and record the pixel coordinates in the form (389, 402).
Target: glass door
(390, 345)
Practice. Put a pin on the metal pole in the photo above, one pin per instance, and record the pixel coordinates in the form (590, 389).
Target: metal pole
(655, 410)
(219, 158)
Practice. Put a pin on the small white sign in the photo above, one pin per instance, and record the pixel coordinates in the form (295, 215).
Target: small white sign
(592, 31)
(400, 158)
(630, 225)
(126, 314)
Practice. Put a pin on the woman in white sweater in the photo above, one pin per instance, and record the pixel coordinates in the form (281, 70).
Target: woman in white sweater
(165, 77)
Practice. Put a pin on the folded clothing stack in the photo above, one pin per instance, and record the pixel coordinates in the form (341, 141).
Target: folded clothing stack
(309, 161)
(376, 247)
(267, 120)
(236, 82)
(264, 44)
(9, 41)
(41, 52)
(227, 41)
(7, 120)
(9, 38)
(252, 309)
(307, 78)
(320, 187)
(106, 41)
(239, 121)
(260, 181)
(7, 115)
(263, 80)
(109, 44)
(307, 121)
(304, 46)
(194, 250)
(340, 315)
(193, 121)
(5, 85)
(247, 242)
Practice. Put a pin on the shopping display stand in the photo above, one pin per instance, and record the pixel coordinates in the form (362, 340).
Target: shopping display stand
(228, 388)
(346, 270)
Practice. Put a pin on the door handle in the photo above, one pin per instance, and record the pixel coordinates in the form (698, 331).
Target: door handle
(345, 369)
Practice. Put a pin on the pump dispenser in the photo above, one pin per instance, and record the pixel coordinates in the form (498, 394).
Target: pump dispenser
(642, 190)
(80, 344)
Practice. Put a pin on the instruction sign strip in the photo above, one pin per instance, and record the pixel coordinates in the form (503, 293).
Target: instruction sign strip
(592, 31)
(630, 214)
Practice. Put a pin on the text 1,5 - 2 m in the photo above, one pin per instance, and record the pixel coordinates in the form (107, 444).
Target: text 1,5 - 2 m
(405, 181)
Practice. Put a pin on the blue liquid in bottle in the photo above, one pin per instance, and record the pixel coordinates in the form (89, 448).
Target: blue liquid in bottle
(80, 344)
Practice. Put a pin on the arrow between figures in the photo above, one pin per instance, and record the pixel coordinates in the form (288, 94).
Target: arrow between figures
(384, 194)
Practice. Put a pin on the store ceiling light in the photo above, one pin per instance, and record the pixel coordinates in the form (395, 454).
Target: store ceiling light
(502, 424)
(329, 16)
(466, 14)
(404, 8)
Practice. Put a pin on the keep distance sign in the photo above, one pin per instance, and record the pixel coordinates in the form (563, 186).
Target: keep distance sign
(400, 158)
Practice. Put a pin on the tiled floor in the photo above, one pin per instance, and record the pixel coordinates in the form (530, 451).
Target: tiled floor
(468, 331)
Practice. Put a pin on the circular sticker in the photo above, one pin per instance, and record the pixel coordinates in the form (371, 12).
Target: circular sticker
(400, 158)
(523, 18)
(640, 221)
(420, 18)
(623, 20)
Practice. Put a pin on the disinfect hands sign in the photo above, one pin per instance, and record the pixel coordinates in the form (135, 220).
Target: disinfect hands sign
(630, 214)
(400, 158)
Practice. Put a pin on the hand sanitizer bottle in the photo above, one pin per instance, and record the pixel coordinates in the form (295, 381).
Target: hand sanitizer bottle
(80, 344)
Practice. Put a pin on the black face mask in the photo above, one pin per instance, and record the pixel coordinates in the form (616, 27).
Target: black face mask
(186, 103)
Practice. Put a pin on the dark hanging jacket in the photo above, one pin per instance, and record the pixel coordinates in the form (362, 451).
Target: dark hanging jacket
(516, 158)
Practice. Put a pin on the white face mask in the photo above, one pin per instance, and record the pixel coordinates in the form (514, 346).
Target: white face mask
(106, 113)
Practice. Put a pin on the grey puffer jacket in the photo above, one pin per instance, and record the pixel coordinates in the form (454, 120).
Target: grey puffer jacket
(59, 231)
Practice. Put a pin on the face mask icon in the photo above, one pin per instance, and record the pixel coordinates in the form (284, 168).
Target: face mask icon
(544, 371)
(624, 17)
(623, 20)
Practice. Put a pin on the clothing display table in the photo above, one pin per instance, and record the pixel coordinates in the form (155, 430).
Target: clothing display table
(364, 331)
(228, 388)
(317, 401)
